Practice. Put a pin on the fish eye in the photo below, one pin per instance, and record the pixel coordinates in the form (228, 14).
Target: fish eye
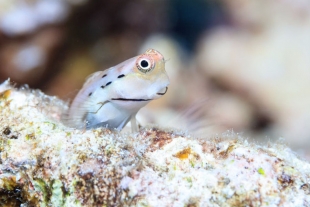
(145, 65)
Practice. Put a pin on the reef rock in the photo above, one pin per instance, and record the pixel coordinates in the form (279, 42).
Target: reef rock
(44, 163)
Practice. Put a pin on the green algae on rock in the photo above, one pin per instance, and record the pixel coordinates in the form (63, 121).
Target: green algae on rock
(44, 163)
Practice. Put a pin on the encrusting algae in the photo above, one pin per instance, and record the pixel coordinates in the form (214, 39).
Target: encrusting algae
(45, 163)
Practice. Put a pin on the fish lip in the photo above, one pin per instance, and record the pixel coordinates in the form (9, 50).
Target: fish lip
(130, 99)
(161, 94)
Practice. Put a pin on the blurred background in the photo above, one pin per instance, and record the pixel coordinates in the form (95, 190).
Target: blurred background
(239, 65)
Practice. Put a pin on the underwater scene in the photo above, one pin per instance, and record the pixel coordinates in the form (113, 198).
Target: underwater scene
(154, 103)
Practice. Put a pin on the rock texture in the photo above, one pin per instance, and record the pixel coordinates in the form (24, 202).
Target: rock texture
(44, 163)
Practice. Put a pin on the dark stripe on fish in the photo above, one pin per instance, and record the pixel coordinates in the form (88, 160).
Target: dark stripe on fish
(130, 99)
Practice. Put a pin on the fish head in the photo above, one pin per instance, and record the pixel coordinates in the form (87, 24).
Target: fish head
(150, 68)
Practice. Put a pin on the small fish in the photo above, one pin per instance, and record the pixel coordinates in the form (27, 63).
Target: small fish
(112, 97)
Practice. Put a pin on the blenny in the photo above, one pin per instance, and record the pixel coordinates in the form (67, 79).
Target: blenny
(112, 97)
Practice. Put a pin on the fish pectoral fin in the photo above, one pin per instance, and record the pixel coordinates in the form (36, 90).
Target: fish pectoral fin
(133, 122)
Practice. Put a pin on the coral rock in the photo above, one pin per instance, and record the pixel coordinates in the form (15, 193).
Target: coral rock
(44, 163)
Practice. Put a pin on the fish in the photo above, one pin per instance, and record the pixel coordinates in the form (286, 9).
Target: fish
(111, 98)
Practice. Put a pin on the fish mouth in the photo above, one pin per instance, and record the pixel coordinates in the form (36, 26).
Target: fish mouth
(130, 99)
(161, 94)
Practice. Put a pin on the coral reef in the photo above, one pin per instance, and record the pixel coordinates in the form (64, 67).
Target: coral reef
(30, 37)
(44, 163)
(263, 59)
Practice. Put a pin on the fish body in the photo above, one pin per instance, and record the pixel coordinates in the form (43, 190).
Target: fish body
(112, 97)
